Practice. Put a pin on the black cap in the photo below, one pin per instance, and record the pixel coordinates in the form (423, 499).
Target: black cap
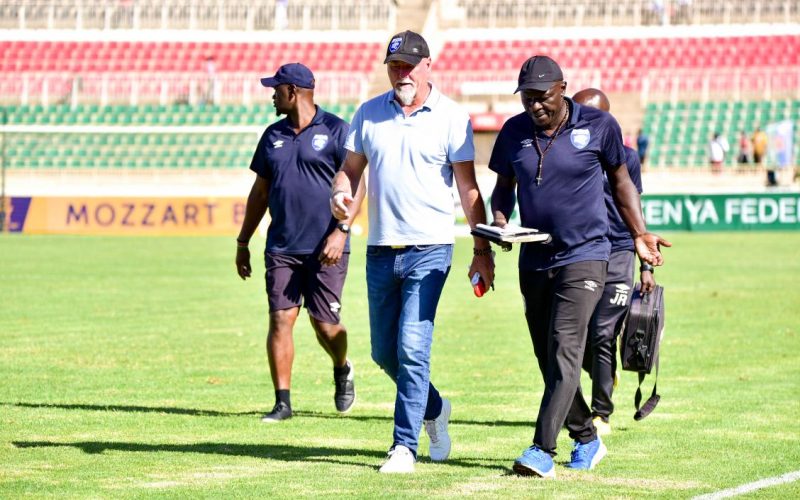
(408, 47)
(294, 73)
(538, 73)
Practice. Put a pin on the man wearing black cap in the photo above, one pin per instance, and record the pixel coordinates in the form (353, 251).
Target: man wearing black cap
(600, 358)
(554, 155)
(416, 141)
(307, 252)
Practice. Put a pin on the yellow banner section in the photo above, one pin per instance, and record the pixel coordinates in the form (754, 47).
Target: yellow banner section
(135, 216)
(132, 215)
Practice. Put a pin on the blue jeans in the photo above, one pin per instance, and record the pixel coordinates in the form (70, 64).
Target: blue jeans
(404, 286)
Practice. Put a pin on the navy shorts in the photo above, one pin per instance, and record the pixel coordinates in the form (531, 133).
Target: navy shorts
(295, 280)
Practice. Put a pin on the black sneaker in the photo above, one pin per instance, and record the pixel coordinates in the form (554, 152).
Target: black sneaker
(345, 394)
(280, 411)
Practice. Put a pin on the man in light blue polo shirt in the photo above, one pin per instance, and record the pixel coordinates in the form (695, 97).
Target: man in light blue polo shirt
(416, 141)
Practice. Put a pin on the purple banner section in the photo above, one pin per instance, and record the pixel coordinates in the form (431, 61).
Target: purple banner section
(19, 212)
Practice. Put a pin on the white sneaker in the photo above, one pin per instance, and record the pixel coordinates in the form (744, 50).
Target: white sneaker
(437, 432)
(400, 461)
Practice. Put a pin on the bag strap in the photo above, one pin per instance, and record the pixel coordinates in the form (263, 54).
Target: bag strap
(651, 402)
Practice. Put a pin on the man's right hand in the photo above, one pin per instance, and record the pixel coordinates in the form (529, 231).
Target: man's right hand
(243, 262)
(340, 205)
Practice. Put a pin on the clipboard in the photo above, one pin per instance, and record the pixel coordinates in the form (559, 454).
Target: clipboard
(510, 234)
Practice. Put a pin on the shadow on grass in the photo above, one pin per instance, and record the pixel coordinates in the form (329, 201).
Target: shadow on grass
(215, 413)
(134, 409)
(453, 421)
(283, 452)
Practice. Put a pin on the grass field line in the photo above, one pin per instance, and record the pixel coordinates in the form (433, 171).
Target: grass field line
(789, 477)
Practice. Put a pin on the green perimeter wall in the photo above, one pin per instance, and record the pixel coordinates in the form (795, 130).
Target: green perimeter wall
(722, 212)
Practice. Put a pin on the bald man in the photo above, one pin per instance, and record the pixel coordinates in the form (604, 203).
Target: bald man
(600, 358)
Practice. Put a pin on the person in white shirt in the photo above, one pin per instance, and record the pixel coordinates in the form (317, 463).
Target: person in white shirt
(416, 142)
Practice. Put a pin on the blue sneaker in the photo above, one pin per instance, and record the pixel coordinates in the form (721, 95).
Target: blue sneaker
(535, 462)
(586, 456)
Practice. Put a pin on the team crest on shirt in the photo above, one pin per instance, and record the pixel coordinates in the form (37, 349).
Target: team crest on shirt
(580, 137)
(526, 143)
(319, 141)
(395, 44)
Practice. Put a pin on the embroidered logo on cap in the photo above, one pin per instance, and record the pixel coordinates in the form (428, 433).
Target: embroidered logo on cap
(319, 141)
(395, 44)
(580, 137)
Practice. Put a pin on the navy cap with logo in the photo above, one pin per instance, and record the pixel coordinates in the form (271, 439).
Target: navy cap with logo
(293, 73)
(408, 47)
(538, 73)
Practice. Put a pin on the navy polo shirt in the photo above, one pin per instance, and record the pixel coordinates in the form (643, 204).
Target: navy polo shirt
(300, 170)
(618, 232)
(569, 203)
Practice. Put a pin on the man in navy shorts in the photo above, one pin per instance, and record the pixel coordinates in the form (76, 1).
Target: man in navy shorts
(307, 252)
(600, 358)
(550, 159)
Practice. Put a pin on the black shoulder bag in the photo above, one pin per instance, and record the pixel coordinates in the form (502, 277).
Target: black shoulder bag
(640, 341)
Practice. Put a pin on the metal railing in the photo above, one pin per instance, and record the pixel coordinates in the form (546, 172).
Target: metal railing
(552, 13)
(731, 83)
(164, 88)
(653, 85)
(254, 15)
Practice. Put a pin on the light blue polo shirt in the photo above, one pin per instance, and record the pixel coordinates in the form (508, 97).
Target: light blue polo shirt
(410, 179)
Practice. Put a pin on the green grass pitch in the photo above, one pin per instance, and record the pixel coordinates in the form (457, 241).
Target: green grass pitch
(135, 367)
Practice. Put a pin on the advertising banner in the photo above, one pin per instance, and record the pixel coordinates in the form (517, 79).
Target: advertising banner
(718, 212)
(126, 216)
(155, 216)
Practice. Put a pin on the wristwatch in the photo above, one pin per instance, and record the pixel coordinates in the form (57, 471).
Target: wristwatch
(343, 228)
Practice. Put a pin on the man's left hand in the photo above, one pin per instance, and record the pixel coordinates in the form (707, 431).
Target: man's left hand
(333, 248)
(648, 282)
(648, 247)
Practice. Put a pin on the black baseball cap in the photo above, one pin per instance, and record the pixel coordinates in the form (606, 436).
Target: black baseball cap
(408, 47)
(293, 73)
(538, 73)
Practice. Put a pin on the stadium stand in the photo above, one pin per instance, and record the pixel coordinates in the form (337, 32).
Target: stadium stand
(157, 149)
(680, 132)
(127, 56)
(153, 114)
(218, 136)
(624, 64)
(139, 70)
(217, 15)
(513, 13)
(164, 72)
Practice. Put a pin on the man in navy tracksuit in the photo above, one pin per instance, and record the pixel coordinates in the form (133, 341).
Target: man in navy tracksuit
(600, 358)
(552, 157)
